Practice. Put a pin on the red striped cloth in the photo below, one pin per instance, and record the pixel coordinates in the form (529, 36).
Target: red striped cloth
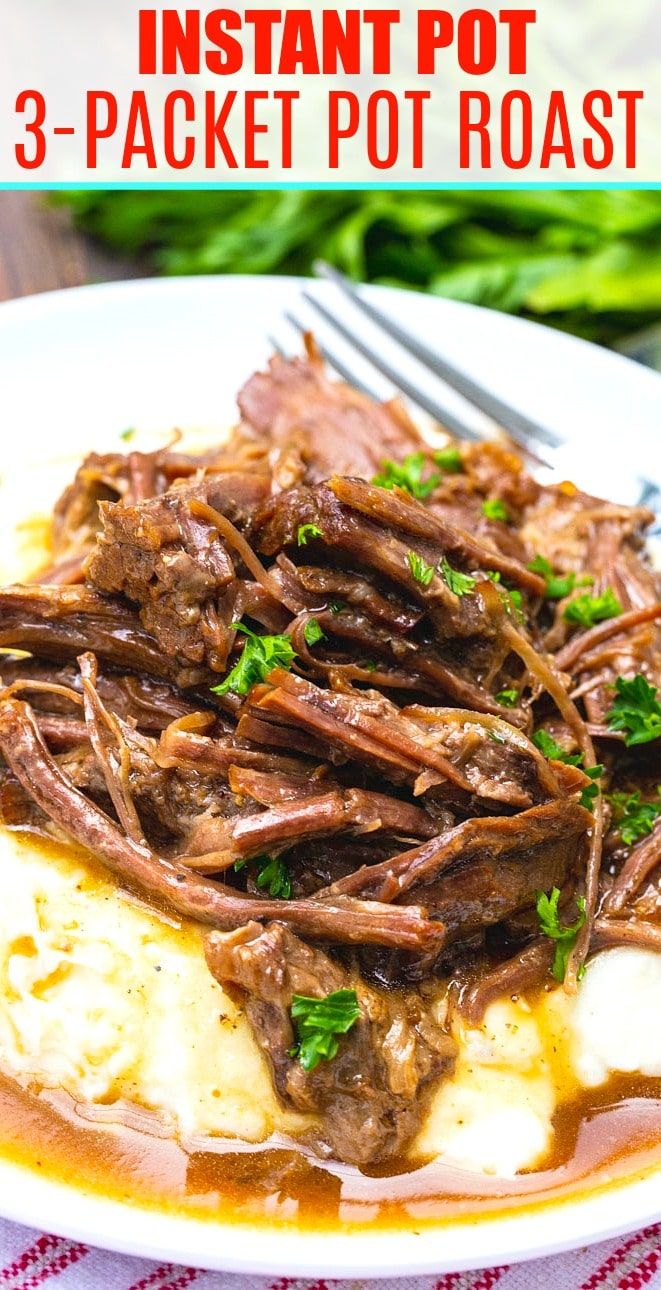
(30, 1259)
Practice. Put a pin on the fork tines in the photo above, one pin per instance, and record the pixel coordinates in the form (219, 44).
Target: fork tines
(415, 369)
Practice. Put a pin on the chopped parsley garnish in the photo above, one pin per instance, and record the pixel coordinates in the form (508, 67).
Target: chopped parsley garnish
(510, 596)
(508, 698)
(259, 656)
(634, 818)
(319, 1023)
(274, 877)
(336, 606)
(550, 925)
(368, 665)
(541, 566)
(313, 632)
(306, 532)
(422, 572)
(636, 710)
(591, 791)
(450, 460)
(407, 475)
(588, 610)
(460, 583)
(558, 585)
(555, 752)
(128, 434)
(515, 601)
(495, 509)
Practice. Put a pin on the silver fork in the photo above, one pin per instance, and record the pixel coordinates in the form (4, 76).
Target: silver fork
(348, 337)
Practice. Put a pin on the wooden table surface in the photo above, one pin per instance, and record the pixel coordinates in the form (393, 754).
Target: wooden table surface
(41, 251)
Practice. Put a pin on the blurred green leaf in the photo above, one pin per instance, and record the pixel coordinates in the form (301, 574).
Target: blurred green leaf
(588, 261)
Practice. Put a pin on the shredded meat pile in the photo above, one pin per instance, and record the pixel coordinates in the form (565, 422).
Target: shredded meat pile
(349, 702)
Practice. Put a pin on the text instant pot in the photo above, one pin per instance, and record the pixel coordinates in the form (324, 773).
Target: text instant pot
(228, 90)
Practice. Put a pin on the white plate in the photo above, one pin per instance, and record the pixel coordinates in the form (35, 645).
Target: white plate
(78, 367)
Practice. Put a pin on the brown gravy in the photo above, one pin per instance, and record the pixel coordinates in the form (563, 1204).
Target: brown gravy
(603, 1135)
(609, 1134)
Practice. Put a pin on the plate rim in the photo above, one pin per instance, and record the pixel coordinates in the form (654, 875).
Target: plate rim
(41, 301)
(119, 1227)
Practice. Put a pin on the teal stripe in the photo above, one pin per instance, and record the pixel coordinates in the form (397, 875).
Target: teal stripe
(385, 186)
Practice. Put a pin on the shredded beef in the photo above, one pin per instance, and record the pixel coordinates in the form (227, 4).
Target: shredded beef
(380, 814)
(371, 1098)
(175, 567)
(325, 425)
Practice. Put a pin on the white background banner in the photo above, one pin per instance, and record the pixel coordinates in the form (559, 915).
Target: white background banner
(562, 91)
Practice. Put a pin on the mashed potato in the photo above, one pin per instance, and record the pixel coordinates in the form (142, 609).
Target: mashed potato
(609, 1034)
(495, 1114)
(103, 999)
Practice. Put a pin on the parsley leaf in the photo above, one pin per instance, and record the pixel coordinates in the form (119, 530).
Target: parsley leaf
(128, 434)
(558, 585)
(407, 475)
(259, 656)
(591, 791)
(513, 603)
(550, 925)
(422, 572)
(307, 531)
(554, 751)
(336, 606)
(318, 1024)
(633, 818)
(313, 632)
(510, 596)
(460, 583)
(636, 710)
(368, 665)
(588, 610)
(541, 566)
(274, 876)
(495, 509)
(450, 460)
(507, 698)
